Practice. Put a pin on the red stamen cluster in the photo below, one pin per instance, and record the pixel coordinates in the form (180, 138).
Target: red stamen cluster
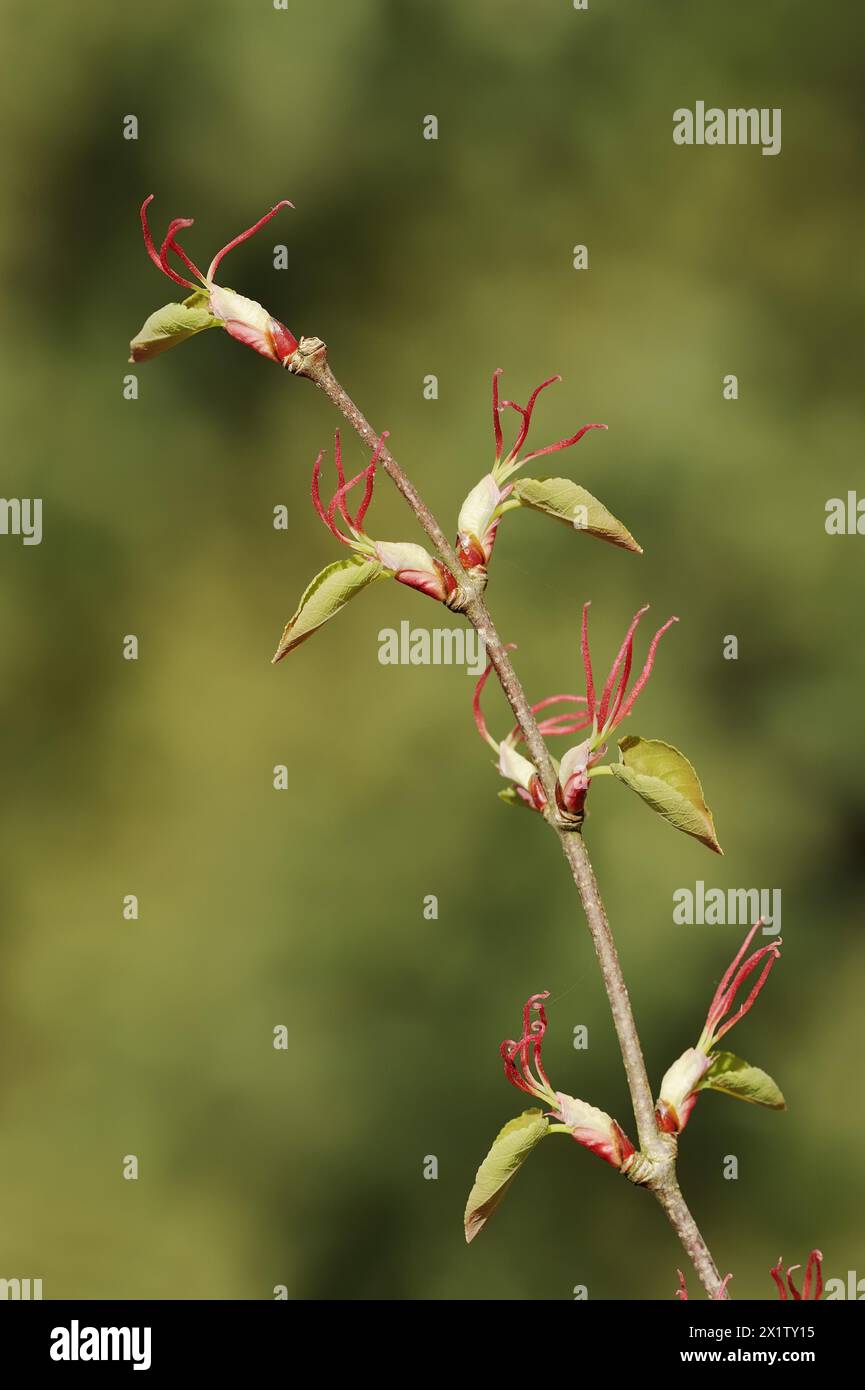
(815, 1259)
(564, 723)
(567, 722)
(337, 502)
(719, 1294)
(731, 981)
(170, 243)
(519, 1057)
(525, 413)
(614, 704)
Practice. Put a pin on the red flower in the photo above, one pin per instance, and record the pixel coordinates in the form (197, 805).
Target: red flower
(679, 1088)
(210, 304)
(404, 560)
(482, 510)
(815, 1261)
(603, 714)
(731, 982)
(512, 765)
(506, 464)
(524, 1068)
(614, 705)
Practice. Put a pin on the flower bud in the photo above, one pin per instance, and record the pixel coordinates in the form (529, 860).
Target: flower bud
(414, 566)
(209, 305)
(596, 1130)
(524, 1068)
(251, 324)
(574, 776)
(678, 1090)
(476, 526)
(515, 767)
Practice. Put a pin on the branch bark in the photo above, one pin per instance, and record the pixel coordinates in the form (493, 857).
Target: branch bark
(658, 1151)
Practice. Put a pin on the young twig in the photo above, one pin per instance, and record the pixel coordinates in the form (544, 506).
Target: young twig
(657, 1168)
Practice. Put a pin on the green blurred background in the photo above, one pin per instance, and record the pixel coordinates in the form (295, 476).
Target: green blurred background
(305, 907)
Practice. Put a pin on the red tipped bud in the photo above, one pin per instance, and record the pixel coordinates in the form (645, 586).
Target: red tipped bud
(477, 523)
(210, 305)
(414, 566)
(701, 1067)
(596, 1130)
(246, 320)
(524, 1068)
(678, 1090)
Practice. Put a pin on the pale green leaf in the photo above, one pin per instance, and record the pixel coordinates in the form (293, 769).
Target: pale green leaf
(511, 1147)
(513, 798)
(667, 782)
(568, 502)
(172, 324)
(328, 593)
(476, 512)
(728, 1073)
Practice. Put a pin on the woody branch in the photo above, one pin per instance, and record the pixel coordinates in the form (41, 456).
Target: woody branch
(658, 1151)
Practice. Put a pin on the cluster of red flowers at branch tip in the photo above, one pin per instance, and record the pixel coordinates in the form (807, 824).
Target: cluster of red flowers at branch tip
(244, 319)
(600, 714)
(809, 1292)
(524, 1068)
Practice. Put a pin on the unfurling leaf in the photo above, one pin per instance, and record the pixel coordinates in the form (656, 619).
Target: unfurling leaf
(568, 502)
(511, 1147)
(329, 592)
(667, 782)
(172, 324)
(476, 512)
(511, 796)
(728, 1073)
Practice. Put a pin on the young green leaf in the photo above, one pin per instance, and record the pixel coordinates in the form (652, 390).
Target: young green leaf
(511, 797)
(728, 1073)
(667, 782)
(328, 593)
(172, 324)
(511, 1147)
(568, 502)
